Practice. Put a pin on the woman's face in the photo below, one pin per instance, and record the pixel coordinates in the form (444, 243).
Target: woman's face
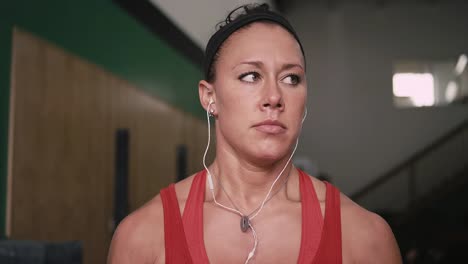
(260, 92)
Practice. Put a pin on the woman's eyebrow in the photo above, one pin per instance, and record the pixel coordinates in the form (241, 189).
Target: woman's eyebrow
(257, 64)
(260, 64)
(288, 66)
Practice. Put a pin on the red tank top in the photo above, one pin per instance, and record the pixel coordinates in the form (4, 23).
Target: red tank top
(320, 240)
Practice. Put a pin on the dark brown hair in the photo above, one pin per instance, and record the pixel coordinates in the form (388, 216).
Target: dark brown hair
(240, 18)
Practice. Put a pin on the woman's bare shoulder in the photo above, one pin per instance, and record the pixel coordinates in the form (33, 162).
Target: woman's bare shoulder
(139, 238)
(366, 236)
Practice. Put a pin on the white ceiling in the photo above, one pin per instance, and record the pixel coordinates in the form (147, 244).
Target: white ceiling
(198, 18)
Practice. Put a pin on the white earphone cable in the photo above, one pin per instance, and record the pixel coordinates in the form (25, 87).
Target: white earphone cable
(211, 185)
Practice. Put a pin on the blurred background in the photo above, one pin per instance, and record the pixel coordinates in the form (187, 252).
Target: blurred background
(99, 110)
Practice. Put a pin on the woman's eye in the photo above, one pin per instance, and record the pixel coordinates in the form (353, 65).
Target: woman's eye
(249, 77)
(292, 79)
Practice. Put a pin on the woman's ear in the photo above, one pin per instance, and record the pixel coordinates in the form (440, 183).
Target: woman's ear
(206, 94)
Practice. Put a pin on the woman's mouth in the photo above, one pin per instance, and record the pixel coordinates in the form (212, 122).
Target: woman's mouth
(270, 127)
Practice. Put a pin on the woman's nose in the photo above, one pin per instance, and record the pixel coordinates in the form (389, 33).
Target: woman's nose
(273, 98)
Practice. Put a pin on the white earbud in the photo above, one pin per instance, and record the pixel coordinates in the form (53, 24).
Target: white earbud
(209, 110)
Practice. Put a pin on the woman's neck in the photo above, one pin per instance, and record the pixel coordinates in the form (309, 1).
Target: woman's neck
(244, 182)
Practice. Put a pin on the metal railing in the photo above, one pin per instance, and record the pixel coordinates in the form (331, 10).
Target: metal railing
(399, 188)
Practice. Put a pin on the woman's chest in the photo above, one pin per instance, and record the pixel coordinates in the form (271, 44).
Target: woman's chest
(274, 237)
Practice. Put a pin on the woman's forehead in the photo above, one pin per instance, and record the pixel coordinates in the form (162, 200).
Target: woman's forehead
(261, 41)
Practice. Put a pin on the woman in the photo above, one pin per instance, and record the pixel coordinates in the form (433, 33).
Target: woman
(251, 205)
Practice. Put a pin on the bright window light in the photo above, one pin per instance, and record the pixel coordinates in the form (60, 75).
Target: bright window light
(451, 91)
(418, 87)
(461, 64)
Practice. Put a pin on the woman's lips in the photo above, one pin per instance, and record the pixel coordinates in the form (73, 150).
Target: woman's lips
(271, 127)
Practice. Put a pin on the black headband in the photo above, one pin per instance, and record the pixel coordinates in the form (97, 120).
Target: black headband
(223, 33)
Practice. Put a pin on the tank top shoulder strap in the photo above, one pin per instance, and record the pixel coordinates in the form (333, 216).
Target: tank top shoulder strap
(330, 250)
(176, 249)
(193, 218)
(312, 220)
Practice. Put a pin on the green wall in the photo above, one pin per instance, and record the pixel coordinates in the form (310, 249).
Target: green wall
(101, 32)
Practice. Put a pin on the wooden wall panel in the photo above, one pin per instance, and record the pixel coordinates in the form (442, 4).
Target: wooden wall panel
(61, 164)
(66, 113)
(153, 144)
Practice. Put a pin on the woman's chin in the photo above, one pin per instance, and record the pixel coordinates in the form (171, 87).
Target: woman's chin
(270, 156)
